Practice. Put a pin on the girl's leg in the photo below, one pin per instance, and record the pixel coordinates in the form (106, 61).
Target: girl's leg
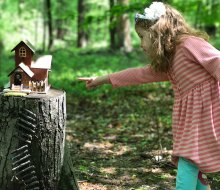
(187, 175)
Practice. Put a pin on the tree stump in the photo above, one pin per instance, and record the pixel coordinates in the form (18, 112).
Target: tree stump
(32, 140)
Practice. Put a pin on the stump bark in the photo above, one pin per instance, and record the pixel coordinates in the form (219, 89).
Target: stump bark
(32, 141)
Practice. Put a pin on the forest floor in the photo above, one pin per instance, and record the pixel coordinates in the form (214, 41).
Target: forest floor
(122, 143)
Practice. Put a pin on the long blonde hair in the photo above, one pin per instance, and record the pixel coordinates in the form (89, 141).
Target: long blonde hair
(166, 33)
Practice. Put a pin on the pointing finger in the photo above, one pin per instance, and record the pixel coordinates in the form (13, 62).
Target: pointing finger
(84, 78)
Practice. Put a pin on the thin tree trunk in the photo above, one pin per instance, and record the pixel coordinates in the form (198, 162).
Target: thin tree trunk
(32, 139)
(112, 26)
(1, 44)
(36, 30)
(198, 12)
(60, 31)
(1, 61)
(44, 26)
(49, 23)
(211, 28)
(124, 36)
(82, 38)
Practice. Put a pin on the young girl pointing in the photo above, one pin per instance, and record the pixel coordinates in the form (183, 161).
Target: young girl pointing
(183, 56)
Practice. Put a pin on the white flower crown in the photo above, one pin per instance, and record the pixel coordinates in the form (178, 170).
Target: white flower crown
(154, 12)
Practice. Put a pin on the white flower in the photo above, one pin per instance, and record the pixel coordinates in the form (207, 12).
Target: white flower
(154, 12)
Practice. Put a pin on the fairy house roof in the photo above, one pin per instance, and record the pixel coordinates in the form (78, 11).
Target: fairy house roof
(43, 62)
(25, 68)
(27, 43)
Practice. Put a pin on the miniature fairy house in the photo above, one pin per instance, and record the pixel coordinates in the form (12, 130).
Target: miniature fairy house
(29, 75)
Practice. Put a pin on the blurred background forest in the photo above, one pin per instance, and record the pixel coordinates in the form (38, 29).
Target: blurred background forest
(119, 139)
(58, 25)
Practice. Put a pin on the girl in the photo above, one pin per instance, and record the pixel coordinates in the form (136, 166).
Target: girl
(182, 56)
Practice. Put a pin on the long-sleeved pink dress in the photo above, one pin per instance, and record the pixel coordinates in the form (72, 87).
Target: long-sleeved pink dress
(195, 77)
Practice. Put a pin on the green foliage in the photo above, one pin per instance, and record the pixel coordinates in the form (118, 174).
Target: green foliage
(199, 13)
(6, 66)
(29, 19)
(68, 65)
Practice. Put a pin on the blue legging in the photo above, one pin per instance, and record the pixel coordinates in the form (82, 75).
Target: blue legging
(187, 176)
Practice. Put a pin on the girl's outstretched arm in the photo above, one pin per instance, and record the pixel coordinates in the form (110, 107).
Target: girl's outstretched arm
(93, 82)
(127, 77)
(136, 76)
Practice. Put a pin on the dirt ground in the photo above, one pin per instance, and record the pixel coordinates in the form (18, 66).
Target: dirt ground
(120, 153)
(112, 165)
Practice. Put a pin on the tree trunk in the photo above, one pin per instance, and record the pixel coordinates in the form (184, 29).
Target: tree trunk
(1, 43)
(60, 31)
(112, 25)
(82, 38)
(49, 23)
(198, 13)
(124, 36)
(213, 12)
(1, 53)
(32, 139)
(44, 27)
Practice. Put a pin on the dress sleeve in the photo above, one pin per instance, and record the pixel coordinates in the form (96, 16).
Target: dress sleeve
(136, 76)
(202, 52)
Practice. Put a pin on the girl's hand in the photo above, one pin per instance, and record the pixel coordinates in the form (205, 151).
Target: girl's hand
(93, 82)
(89, 82)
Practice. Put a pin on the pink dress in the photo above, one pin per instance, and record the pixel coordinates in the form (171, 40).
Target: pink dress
(195, 77)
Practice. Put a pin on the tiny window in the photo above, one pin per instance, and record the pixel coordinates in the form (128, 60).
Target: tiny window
(22, 52)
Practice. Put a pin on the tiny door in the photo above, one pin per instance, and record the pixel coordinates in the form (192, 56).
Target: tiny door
(17, 79)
